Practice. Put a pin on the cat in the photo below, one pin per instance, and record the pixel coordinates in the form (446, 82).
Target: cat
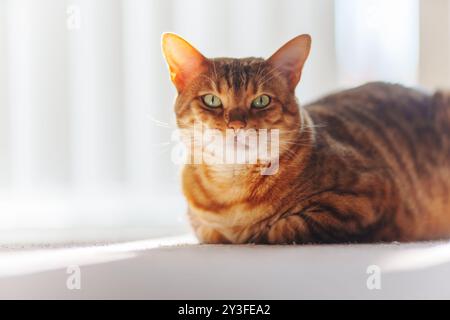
(369, 164)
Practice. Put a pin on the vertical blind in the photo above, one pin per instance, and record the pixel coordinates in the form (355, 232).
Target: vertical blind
(86, 111)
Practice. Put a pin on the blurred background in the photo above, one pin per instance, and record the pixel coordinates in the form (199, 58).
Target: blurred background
(86, 112)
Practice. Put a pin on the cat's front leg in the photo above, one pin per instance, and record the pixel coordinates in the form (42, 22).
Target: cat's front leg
(207, 235)
(288, 230)
(318, 225)
(204, 233)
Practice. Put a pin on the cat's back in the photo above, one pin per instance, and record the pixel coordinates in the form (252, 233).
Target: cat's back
(395, 115)
(402, 132)
(378, 100)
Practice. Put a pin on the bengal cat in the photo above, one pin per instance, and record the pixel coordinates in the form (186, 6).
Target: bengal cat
(370, 164)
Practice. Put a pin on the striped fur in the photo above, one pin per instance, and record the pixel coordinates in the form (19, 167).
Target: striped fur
(364, 165)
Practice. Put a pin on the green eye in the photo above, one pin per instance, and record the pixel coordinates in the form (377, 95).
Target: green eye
(261, 102)
(212, 101)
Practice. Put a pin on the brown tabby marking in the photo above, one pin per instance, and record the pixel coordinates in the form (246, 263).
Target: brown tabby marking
(363, 165)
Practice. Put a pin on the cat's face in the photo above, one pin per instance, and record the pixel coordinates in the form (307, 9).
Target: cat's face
(224, 93)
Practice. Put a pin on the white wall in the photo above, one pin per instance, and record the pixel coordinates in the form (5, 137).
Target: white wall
(95, 83)
(37, 95)
(377, 40)
(5, 156)
(435, 44)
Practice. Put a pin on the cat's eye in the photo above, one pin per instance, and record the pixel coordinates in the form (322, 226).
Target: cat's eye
(261, 102)
(212, 101)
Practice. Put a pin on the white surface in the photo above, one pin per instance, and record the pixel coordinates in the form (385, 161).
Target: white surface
(177, 268)
(101, 209)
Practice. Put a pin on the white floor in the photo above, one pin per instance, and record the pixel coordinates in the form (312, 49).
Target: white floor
(177, 268)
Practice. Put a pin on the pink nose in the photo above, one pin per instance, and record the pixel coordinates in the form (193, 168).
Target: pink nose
(236, 125)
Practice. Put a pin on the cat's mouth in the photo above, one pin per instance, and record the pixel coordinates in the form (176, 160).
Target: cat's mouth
(236, 146)
(241, 144)
(243, 147)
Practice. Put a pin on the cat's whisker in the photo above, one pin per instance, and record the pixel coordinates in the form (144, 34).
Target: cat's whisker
(289, 145)
(270, 72)
(212, 82)
(159, 123)
(259, 70)
(214, 69)
(270, 78)
(320, 125)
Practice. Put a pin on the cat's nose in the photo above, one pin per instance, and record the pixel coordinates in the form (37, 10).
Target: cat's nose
(236, 125)
(237, 119)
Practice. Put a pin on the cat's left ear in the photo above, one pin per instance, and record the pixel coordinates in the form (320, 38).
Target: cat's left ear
(185, 62)
(290, 58)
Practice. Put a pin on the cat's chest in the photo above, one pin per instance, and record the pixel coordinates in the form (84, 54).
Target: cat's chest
(235, 224)
(237, 211)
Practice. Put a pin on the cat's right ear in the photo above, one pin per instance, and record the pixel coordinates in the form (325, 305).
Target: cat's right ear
(185, 62)
(290, 58)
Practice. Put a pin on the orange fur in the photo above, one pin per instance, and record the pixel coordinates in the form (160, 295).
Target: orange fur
(363, 165)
